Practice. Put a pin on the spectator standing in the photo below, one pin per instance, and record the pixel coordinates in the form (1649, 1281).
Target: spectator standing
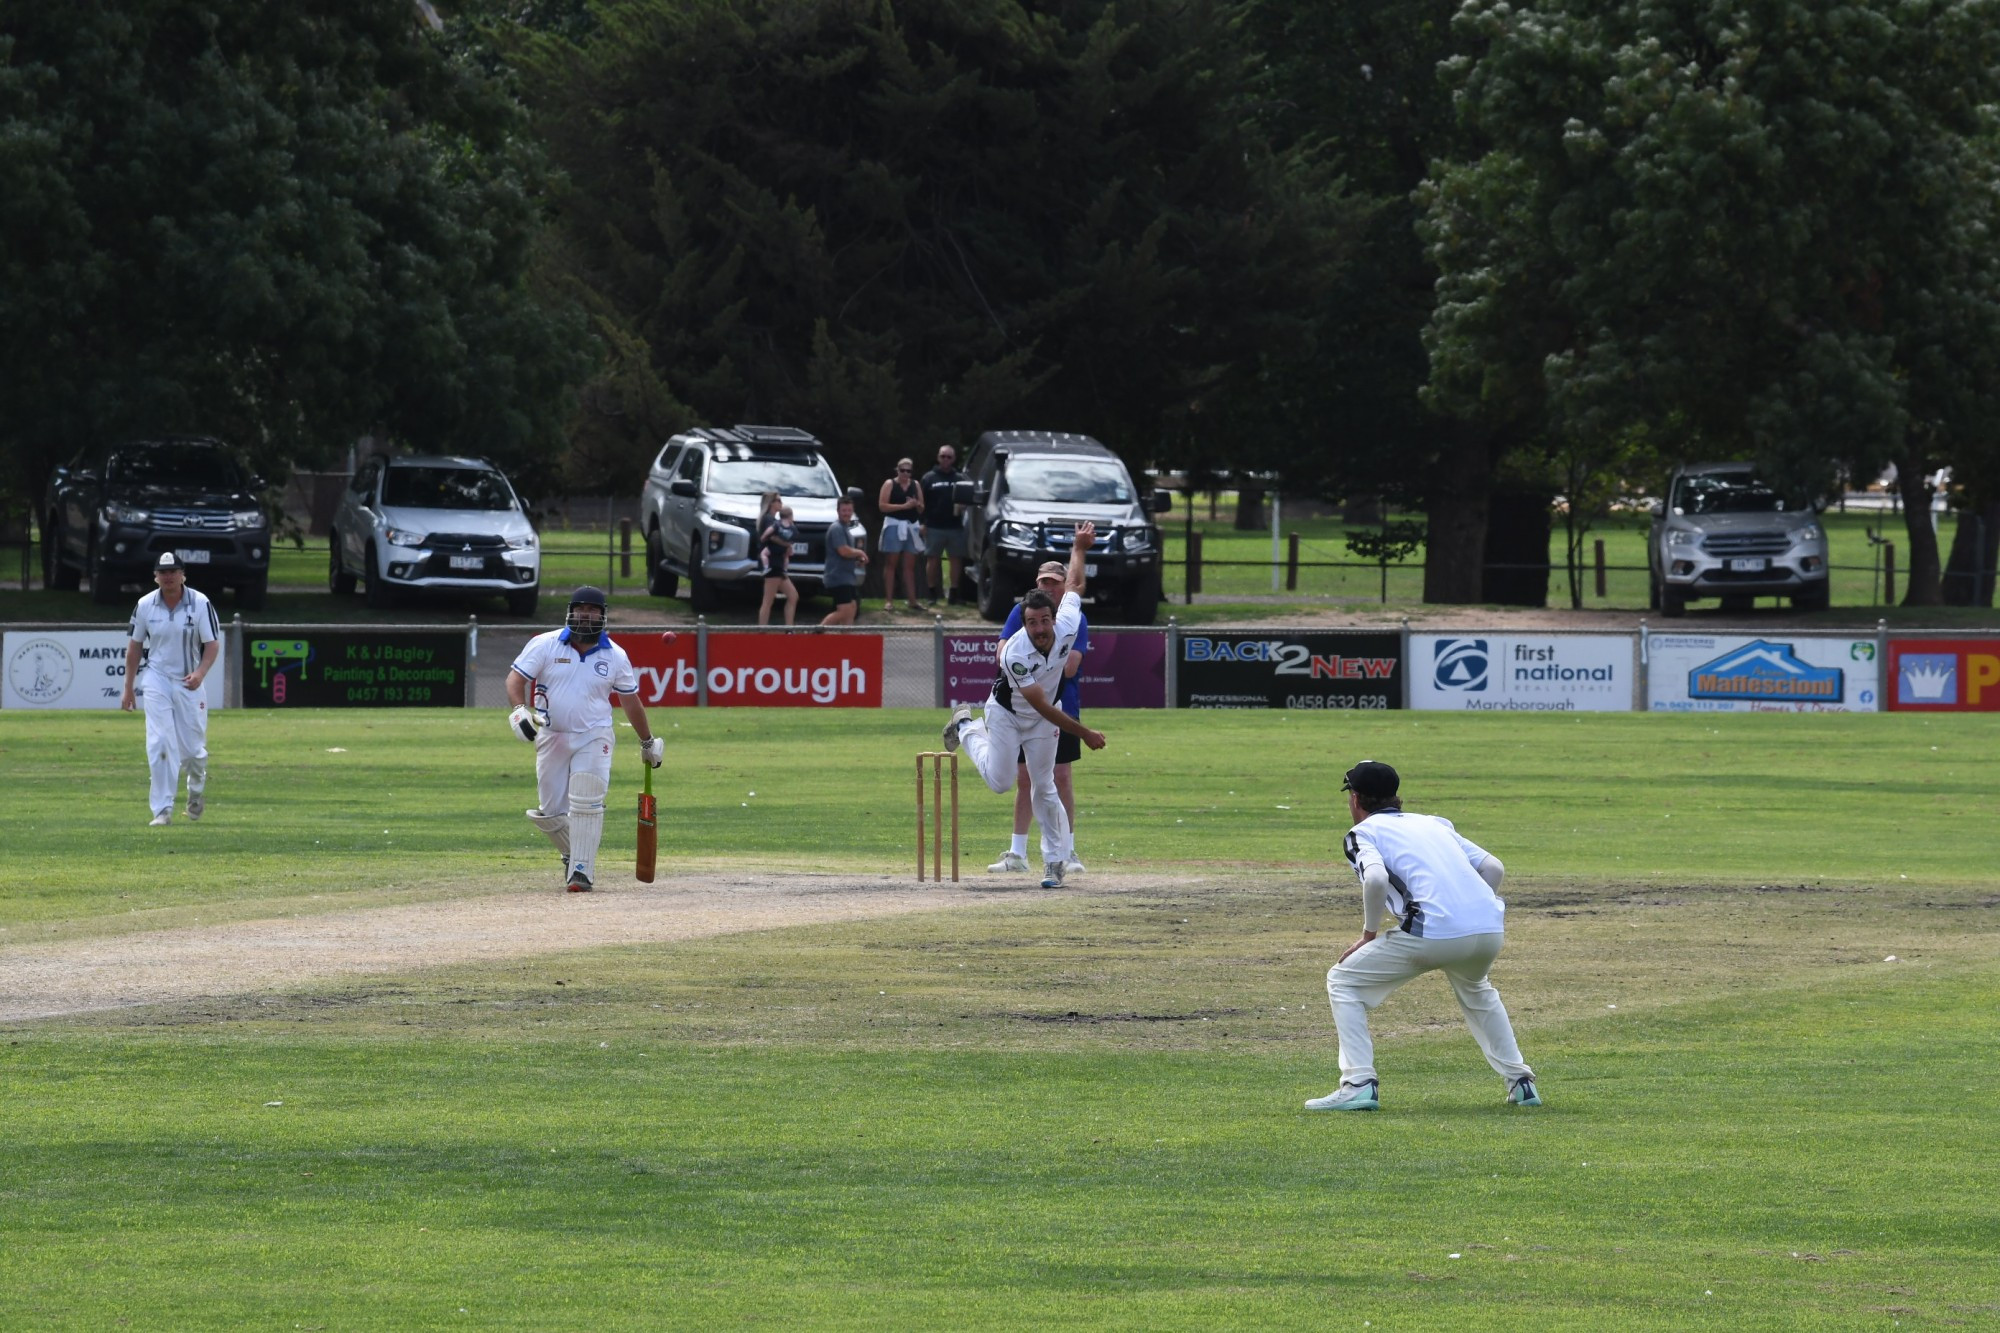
(902, 505)
(944, 525)
(846, 558)
(778, 539)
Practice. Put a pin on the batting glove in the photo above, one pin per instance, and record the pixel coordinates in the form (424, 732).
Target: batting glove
(653, 751)
(524, 723)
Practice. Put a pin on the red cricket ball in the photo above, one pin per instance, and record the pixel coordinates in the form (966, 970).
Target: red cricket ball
(668, 637)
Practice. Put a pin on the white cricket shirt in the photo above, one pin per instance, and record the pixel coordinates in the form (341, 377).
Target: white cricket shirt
(1435, 889)
(576, 687)
(174, 637)
(1022, 664)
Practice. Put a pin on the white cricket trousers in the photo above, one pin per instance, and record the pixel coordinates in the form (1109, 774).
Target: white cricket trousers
(176, 736)
(998, 745)
(561, 753)
(1378, 968)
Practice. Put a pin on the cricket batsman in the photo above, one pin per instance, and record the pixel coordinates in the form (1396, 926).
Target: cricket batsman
(1021, 721)
(561, 687)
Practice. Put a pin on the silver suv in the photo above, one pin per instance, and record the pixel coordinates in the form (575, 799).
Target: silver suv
(700, 508)
(441, 524)
(1723, 533)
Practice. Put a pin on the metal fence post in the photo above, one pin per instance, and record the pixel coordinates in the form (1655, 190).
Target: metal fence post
(1404, 650)
(471, 661)
(232, 670)
(1645, 680)
(701, 661)
(938, 662)
(1882, 678)
(1173, 662)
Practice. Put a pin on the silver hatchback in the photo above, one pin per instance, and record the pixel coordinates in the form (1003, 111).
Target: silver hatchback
(434, 523)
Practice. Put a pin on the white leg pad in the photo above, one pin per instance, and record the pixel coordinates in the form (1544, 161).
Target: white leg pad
(556, 826)
(586, 820)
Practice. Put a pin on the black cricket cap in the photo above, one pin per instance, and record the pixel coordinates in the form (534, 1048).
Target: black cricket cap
(169, 560)
(1371, 779)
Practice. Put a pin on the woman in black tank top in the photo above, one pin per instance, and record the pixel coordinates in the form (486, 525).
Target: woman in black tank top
(901, 504)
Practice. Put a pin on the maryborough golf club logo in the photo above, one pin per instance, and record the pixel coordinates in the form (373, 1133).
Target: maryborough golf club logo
(1760, 670)
(41, 671)
(1462, 664)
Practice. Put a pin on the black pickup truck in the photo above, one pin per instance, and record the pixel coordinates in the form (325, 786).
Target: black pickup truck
(114, 507)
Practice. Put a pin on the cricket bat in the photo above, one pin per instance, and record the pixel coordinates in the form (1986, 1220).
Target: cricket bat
(649, 831)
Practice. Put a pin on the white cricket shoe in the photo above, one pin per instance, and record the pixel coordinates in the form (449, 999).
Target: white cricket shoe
(195, 806)
(959, 717)
(161, 820)
(1348, 1097)
(1072, 866)
(1010, 863)
(1052, 872)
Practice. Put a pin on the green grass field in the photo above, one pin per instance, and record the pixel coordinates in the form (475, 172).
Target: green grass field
(1078, 1111)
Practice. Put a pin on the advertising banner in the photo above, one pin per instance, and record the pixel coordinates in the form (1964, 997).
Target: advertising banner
(359, 668)
(760, 670)
(1730, 673)
(1290, 669)
(76, 669)
(1522, 673)
(1123, 669)
(1944, 675)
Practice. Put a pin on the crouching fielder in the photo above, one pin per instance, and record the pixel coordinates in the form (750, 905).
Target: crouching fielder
(1021, 720)
(561, 687)
(1428, 903)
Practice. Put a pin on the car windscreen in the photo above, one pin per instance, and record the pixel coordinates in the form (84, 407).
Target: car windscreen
(753, 473)
(446, 488)
(1727, 495)
(176, 465)
(1083, 481)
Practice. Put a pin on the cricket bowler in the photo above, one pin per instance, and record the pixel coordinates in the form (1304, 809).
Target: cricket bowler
(561, 687)
(177, 630)
(1021, 721)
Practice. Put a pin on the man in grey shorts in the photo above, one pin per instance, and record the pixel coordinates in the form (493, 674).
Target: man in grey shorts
(944, 525)
(846, 557)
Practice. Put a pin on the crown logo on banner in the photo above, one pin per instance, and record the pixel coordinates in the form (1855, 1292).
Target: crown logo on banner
(1927, 683)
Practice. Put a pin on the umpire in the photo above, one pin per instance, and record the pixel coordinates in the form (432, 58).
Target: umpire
(1429, 902)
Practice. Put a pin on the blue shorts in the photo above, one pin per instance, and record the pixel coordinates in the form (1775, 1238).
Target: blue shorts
(899, 534)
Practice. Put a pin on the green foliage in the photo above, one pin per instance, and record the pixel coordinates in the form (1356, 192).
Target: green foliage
(286, 225)
(888, 224)
(1750, 230)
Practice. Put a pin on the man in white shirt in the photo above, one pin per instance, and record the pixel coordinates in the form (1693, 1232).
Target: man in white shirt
(1021, 720)
(561, 687)
(176, 629)
(1429, 902)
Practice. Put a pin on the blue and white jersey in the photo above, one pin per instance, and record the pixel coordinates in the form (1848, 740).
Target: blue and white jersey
(173, 637)
(1435, 891)
(1022, 664)
(576, 686)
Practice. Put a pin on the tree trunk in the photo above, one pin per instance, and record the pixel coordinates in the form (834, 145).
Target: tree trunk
(1455, 546)
(1250, 516)
(1922, 581)
(1517, 548)
(1968, 573)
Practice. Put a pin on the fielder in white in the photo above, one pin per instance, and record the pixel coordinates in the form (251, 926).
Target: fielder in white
(561, 687)
(1021, 720)
(176, 630)
(1429, 902)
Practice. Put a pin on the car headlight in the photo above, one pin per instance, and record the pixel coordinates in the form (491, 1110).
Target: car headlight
(1682, 536)
(1139, 539)
(247, 518)
(1809, 533)
(404, 537)
(526, 543)
(1015, 534)
(115, 512)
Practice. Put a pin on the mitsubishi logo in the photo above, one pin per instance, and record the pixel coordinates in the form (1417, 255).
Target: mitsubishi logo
(466, 547)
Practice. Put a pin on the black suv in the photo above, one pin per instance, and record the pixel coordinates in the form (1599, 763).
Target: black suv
(112, 511)
(1028, 489)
